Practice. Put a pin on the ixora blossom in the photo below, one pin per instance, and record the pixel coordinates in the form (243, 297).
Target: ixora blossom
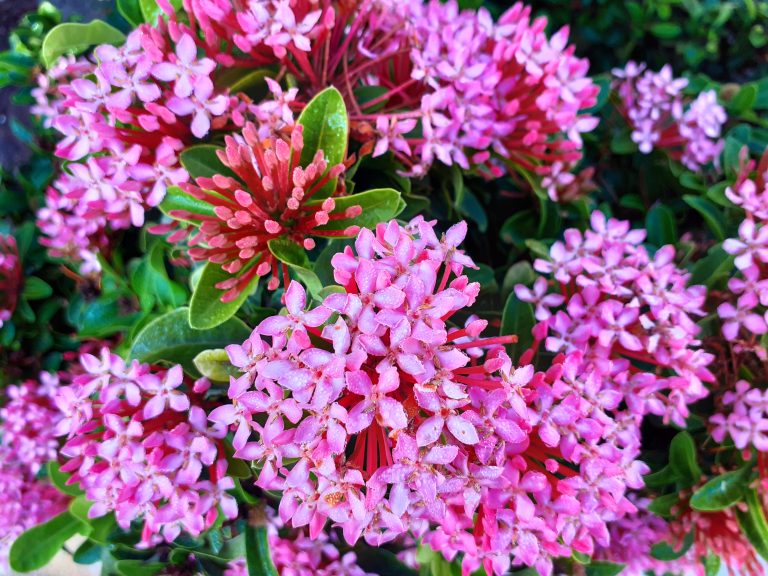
(369, 411)
(654, 105)
(124, 120)
(618, 305)
(271, 196)
(139, 445)
(10, 277)
(26, 443)
(425, 81)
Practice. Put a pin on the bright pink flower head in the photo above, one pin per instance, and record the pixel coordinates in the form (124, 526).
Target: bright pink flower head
(382, 422)
(10, 277)
(139, 445)
(26, 444)
(270, 197)
(425, 81)
(621, 306)
(660, 117)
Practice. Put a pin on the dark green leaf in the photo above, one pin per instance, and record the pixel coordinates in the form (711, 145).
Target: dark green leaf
(715, 265)
(36, 289)
(663, 477)
(682, 458)
(663, 551)
(171, 339)
(89, 552)
(138, 568)
(131, 11)
(518, 319)
(203, 161)
(601, 568)
(711, 214)
(294, 256)
(257, 552)
(753, 522)
(661, 226)
(662, 505)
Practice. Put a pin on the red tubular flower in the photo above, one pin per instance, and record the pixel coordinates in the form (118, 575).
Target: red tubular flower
(271, 197)
(10, 277)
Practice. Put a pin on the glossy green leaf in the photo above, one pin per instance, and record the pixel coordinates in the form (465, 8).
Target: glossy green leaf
(131, 11)
(36, 289)
(326, 128)
(215, 365)
(206, 310)
(295, 257)
(171, 339)
(37, 546)
(663, 477)
(138, 568)
(712, 215)
(717, 264)
(178, 204)
(662, 505)
(661, 226)
(753, 522)
(151, 11)
(59, 480)
(663, 551)
(202, 161)
(377, 206)
(720, 492)
(71, 38)
(257, 552)
(518, 319)
(602, 568)
(682, 458)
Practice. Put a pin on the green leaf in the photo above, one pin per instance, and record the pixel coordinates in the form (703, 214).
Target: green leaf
(294, 256)
(753, 523)
(59, 480)
(202, 161)
(519, 273)
(744, 100)
(518, 319)
(170, 339)
(215, 365)
(715, 265)
(178, 203)
(326, 128)
(37, 546)
(138, 568)
(378, 205)
(206, 310)
(131, 11)
(661, 226)
(721, 492)
(662, 505)
(663, 551)
(666, 30)
(151, 11)
(382, 562)
(257, 552)
(711, 214)
(36, 289)
(253, 84)
(601, 568)
(663, 477)
(89, 552)
(711, 565)
(71, 38)
(682, 458)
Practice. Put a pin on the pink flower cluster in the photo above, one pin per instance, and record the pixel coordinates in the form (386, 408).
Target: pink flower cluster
(632, 538)
(621, 305)
(10, 276)
(49, 102)
(389, 420)
(26, 443)
(425, 81)
(747, 420)
(123, 125)
(140, 446)
(269, 197)
(747, 318)
(654, 105)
